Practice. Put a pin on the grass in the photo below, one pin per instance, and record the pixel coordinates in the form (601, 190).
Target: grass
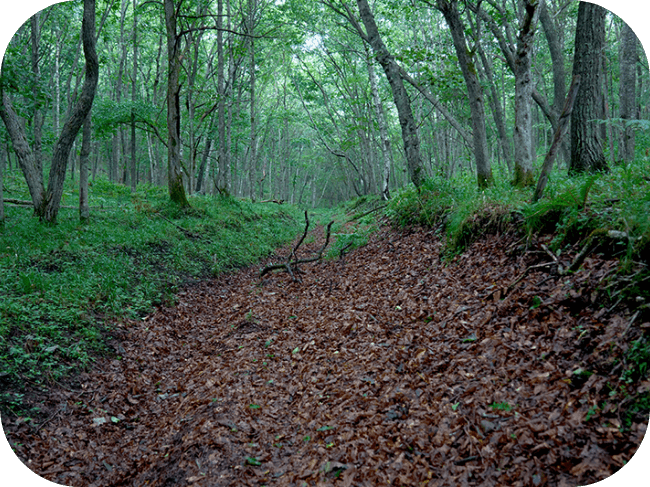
(359, 223)
(572, 209)
(62, 286)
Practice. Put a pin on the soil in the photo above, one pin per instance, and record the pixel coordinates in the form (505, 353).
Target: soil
(388, 366)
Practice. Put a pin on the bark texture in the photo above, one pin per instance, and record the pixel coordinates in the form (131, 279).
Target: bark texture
(174, 169)
(523, 133)
(627, 90)
(586, 144)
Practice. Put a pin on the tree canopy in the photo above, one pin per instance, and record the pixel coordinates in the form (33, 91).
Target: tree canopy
(316, 102)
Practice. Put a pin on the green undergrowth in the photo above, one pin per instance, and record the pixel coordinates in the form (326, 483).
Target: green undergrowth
(61, 286)
(360, 217)
(611, 209)
(572, 209)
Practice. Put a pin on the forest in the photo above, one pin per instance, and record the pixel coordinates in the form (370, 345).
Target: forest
(333, 242)
(302, 101)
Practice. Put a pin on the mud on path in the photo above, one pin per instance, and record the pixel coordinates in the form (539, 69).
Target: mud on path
(385, 367)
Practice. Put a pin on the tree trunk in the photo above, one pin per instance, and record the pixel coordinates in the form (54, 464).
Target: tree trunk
(497, 111)
(400, 96)
(47, 202)
(627, 90)
(3, 156)
(222, 182)
(24, 153)
(586, 144)
(557, 56)
(134, 177)
(556, 49)
(77, 117)
(121, 174)
(37, 121)
(84, 207)
(204, 163)
(383, 131)
(174, 169)
(523, 133)
(475, 92)
(562, 126)
(190, 105)
(253, 115)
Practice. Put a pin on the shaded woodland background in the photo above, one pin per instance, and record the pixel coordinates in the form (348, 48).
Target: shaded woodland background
(284, 100)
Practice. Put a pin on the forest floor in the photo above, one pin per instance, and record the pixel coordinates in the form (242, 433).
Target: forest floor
(388, 366)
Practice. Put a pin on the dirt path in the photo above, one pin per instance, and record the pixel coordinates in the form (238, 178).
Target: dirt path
(388, 366)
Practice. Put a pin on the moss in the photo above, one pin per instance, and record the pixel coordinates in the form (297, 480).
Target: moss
(177, 192)
(523, 178)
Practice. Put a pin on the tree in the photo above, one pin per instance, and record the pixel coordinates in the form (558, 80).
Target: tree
(400, 95)
(47, 202)
(134, 81)
(449, 9)
(84, 206)
(586, 144)
(223, 156)
(523, 133)
(383, 130)
(556, 51)
(174, 168)
(281, 100)
(627, 90)
(3, 155)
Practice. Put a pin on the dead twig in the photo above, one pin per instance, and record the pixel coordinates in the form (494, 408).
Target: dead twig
(29, 204)
(514, 283)
(463, 461)
(587, 248)
(291, 265)
(380, 207)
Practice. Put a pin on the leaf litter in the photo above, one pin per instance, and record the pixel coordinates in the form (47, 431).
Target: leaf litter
(388, 367)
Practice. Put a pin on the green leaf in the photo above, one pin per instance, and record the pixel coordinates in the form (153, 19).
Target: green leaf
(471, 338)
(501, 406)
(296, 350)
(253, 461)
(325, 428)
(254, 406)
(114, 419)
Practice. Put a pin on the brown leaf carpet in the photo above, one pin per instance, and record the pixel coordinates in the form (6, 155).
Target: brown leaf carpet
(388, 367)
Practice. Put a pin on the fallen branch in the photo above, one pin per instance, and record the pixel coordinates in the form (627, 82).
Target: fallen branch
(186, 232)
(290, 264)
(514, 283)
(18, 202)
(463, 461)
(277, 202)
(380, 207)
(587, 248)
(29, 204)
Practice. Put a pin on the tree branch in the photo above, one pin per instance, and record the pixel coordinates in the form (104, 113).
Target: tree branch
(291, 265)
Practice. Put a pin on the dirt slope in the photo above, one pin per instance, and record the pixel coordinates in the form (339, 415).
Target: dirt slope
(385, 367)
